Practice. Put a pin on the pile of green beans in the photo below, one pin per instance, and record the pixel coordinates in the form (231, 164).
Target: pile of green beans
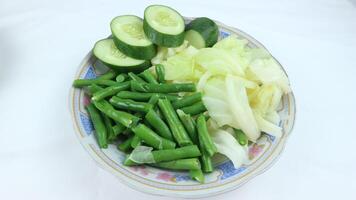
(131, 110)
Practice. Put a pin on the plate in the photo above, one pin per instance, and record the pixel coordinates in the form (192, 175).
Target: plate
(172, 183)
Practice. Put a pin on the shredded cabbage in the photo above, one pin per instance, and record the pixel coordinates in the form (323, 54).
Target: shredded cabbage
(142, 154)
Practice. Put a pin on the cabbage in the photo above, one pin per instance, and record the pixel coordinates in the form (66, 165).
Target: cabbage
(267, 126)
(267, 98)
(267, 71)
(181, 66)
(142, 154)
(239, 105)
(227, 104)
(227, 145)
(163, 53)
(218, 62)
(273, 117)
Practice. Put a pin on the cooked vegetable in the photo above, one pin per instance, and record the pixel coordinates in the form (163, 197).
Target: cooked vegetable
(99, 126)
(204, 137)
(121, 78)
(110, 91)
(240, 137)
(207, 163)
(135, 141)
(143, 96)
(106, 51)
(227, 145)
(183, 164)
(158, 124)
(202, 32)
(129, 38)
(118, 129)
(162, 88)
(147, 75)
(194, 109)
(161, 155)
(163, 26)
(160, 73)
(197, 174)
(134, 77)
(126, 145)
(124, 118)
(189, 125)
(86, 82)
(177, 128)
(128, 104)
(187, 100)
(91, 89)
(151, 138)
(109, 131)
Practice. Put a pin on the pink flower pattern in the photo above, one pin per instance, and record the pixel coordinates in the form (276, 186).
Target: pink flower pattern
(255, 150)
(165, 177)
(140, 169)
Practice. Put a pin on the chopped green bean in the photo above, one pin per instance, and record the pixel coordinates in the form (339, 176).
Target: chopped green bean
(108, 124)
(126, 145)
(91, 89)
(241, 137)
(151, 138)
(99, 126)
(189, 125)
(194, 109)
(187, 100)
(129, 104)
(134, 77)
(135, 141)
(204, 137)
(147, 75)
(140, 96)
(176, 126)
(182, 164)
(197, 174)
(109, 91)
(118, 129)
(121, 77)
(160, 72)
(126, 119)
(158, 124)
(86, 82)
(162, 88)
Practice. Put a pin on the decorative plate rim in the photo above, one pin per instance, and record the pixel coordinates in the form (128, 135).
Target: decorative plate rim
(222, 188)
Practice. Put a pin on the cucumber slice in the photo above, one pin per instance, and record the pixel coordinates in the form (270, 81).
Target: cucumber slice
(206, 29)
(163, 26)
(107, 52)
(128, 35)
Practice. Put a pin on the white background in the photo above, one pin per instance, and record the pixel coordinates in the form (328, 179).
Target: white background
(42, 43)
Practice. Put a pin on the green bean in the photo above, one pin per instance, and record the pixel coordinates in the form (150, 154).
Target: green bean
(107, 75)
(163, 88)
(158, 124)
(118, 129)
(129, 104)
(207, 164)
(108, 124)
(176, 126)
(204, 137)
(160, 72)
(99, 126)
(147, 75)
(241, 137)
(187, 100)
(151, 138)
(139, 96)
(194, 109)
(171, 154)
(134, 77)
(86, 82)
(121, 77)
(197, 174)
(126, 145)
(109, 91)
(182, 164)
(189, 125)
(154, 99)
(174, 154)
(91, 89)
(124, 118)
(135, 141)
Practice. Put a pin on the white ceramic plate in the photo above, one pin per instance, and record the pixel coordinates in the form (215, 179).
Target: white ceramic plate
(171, 183)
